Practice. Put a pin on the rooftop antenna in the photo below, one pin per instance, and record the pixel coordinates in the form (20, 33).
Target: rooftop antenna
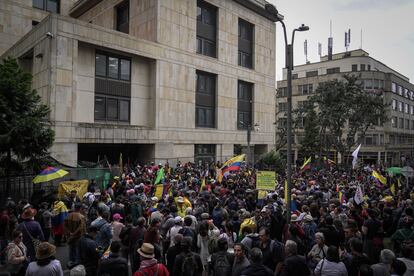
(305, 46)
(320, 49)
(360, 47)
(347, 39)
(330, 42)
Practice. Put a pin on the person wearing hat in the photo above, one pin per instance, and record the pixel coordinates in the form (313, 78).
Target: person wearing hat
(46, 264)
(117, 226)
(309, 228)
(149, 265)
(74, 227)
(180, 206)
(31, 230)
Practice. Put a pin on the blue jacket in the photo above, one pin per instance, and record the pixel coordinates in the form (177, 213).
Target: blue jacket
(104, 235)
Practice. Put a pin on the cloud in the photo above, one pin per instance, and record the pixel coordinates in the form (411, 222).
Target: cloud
(370, 4)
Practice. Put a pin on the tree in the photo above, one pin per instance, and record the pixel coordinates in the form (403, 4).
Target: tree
(344, 112)
(311, 142)
(273, 159)
(25, 132)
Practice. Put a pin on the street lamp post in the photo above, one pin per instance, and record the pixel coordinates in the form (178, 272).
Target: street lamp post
(289, 66)
(249, 135)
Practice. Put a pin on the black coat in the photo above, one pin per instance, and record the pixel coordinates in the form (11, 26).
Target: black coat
(88, 254)
(113, 265)
(256, 270)
(295, 265)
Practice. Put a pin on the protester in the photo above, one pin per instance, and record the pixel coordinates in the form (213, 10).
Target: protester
(75, 228)
(17, 259)
(187, 262)
(331, 265)
(256, 268)
(46, 264)
(114, 264)
(149, 265)
(32, 232)
(89, 254)
(240, 260)
(294, 264)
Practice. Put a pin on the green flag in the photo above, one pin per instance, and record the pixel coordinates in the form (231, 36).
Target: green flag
(160, 176)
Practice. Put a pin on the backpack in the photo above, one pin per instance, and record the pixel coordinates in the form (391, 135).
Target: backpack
(189, 266)
(222, 266)
(212, 244)
(186, 232)
(255, 242)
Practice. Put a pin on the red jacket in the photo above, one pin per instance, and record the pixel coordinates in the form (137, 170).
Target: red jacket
(151, 270)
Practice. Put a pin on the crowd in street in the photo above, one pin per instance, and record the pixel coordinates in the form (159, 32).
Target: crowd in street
(342, 222)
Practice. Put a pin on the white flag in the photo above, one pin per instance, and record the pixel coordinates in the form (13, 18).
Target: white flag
(359, 196)
(355, 155)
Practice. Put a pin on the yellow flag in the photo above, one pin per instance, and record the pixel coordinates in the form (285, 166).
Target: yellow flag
(203, 183)
(307, 161)
(286, 190)
(398, 182)
(378, 176)
(392, 188)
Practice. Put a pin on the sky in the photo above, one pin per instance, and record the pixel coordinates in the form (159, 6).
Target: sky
(387, 30)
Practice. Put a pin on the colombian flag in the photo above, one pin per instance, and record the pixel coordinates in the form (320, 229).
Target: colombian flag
(305, 164)
(232, 164)
(380, 178)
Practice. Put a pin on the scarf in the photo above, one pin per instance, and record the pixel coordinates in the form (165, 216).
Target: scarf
(147, 263)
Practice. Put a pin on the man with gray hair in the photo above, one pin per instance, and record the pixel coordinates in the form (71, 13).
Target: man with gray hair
(384, 267)
(294, 264)
(256, 267)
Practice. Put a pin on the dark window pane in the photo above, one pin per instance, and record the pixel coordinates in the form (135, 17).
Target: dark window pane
(209, 117)
(199, 45)
(52, 6)
(112, 108)
(100, 65)
(125, 69)
(354, 67)
(200, 117)
(122, 17)
(199, 18)
(113, 67)
(100, 108)
(209, 16)
(39, 4)
(209, 48)
(123, 110)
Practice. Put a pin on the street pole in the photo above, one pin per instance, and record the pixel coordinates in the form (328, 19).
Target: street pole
(248, 143)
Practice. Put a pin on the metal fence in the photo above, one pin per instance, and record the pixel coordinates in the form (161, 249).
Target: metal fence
(21, 185)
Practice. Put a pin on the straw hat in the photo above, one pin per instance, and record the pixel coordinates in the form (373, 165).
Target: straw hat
(294, 218)
(45, 250)
(146, 251)
(180, 199)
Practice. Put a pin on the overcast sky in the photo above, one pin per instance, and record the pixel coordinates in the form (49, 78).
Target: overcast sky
(387, 30)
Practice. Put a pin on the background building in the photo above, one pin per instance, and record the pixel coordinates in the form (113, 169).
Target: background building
(154, 80)
(393, 142)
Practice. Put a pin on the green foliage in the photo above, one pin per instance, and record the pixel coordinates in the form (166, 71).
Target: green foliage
(273, 159)
(25, 132)
(340, 113)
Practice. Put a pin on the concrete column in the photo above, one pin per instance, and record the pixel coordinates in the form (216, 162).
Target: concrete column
(339, 158)
(379, 158)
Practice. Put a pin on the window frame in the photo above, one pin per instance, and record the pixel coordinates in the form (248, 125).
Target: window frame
(246, 100)
(121, 27)
(118, 100)
(206, 33)
(206, 99)
(45, 5)
(245, 51)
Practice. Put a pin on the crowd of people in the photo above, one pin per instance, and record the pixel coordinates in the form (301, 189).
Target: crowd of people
(198, 225)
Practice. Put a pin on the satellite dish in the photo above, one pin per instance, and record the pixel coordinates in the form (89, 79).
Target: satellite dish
(407, 171)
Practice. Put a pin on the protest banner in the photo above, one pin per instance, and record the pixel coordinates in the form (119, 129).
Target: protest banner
(80, 186)
(265, 180)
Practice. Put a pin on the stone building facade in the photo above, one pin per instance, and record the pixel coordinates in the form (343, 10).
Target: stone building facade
(155, 80)
(391, 143)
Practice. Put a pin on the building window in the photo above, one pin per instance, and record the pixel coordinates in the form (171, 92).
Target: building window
(407, 124)
(112, 87)
(305, 89)
(295, 76)
(381, 84)
(246, 31)
(282, 91)
(369, 67)
(311, 74)
(362, 67)
(406, 108)
(394, 104)
(400, 122)
(282, 123)
(244, 104)
(405, 92)
(354, 67)
(412, 124)
(34, 23)
(205, 99)
(47, 5)
(394, 122)
(206, 29)
(400, 106)
(333, 70)
(283, 107)
(400, 90)
(204, 153)
(411, 109)
(394, 87)
(122, 17)
(368, 84)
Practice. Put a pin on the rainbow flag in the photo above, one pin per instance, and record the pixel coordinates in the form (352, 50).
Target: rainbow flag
(232, 164)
